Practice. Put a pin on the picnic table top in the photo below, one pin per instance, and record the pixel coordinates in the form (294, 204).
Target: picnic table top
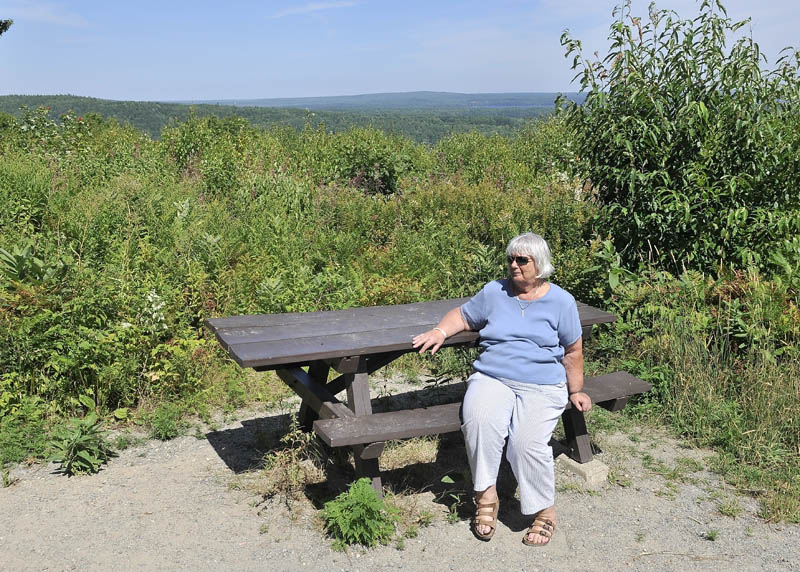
(271, 341)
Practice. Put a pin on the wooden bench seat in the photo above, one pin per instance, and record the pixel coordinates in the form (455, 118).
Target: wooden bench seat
(610, 391)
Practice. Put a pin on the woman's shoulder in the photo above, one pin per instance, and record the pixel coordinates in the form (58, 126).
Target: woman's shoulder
(499, 286)
(559, 294)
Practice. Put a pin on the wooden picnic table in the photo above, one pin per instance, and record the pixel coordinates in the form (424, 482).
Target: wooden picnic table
(303, 347)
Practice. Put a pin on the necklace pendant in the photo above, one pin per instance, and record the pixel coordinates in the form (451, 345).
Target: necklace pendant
(523, 313)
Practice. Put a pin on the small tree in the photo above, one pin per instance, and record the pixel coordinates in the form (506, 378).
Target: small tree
(692, 148)
(5, 25)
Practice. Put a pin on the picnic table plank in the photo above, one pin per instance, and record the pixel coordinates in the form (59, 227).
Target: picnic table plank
(303, 350)
(348, 316)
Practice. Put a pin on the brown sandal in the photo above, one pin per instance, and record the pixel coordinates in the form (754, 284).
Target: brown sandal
(485, 515)
(543, 526)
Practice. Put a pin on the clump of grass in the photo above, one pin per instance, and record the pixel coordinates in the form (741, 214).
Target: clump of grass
(619, 478)
(730, 507)
(166, 421)
(711, 535)
(289, 469)
(409, 452)
(7, 479)
(126, 440)
(680, 472)
(425, 518)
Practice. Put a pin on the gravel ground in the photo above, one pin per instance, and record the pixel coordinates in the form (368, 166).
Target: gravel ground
(186, 505)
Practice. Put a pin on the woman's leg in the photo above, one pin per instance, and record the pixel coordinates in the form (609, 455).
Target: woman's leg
(536, 412)
(486, 413)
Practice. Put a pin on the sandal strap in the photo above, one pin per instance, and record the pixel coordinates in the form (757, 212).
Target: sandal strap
(486, 514)
(545, 526)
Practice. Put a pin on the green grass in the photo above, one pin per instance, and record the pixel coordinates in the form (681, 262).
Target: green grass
(730, 507)
(167, 421)
(24, 433)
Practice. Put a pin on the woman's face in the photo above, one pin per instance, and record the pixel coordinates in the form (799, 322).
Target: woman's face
(522, 268)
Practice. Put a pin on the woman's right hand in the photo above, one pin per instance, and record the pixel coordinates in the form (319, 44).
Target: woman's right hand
(432, 339)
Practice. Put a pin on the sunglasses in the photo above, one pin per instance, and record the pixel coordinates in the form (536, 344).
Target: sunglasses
(520, 260)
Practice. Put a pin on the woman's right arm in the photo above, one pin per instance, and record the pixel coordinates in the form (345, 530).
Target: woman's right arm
(452, 323)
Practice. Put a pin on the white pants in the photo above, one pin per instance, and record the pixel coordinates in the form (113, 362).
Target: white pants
(527, 414)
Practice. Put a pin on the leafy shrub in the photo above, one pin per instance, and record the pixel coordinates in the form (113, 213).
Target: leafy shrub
(80, 447)
(359, 516)
(20, 265)
(474, 156)
(691, 146)
(23, 429)
(365, 158)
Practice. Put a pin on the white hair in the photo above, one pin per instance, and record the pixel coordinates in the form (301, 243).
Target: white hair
(535, 246)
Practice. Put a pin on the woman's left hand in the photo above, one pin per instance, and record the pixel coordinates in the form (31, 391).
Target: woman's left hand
(432, 339)
(580, 401)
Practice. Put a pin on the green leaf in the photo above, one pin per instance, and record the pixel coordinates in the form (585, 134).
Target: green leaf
(87, 401)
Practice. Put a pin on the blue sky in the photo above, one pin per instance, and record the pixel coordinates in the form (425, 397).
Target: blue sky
(240, 49)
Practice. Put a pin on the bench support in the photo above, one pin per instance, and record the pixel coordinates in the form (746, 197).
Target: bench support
(576, 435)
(306, 417)
(358, 401)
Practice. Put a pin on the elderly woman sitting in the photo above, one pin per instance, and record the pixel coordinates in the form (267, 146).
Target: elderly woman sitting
(531, 363)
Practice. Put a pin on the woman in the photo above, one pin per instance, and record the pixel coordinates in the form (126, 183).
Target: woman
(530, 365)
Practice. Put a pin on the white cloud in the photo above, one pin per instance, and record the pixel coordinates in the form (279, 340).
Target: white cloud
(313, 7)
(44, 12)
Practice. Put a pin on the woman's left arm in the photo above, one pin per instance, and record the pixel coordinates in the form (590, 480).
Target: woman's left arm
(573, 364)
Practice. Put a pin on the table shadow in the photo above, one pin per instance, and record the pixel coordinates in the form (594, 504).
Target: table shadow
(242, 449)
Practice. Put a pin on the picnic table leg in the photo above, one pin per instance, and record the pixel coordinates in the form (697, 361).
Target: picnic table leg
(358, 401)
(306, 417)
(577, 436)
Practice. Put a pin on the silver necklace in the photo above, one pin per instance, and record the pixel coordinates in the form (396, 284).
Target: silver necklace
(521, 307)
(526, 306)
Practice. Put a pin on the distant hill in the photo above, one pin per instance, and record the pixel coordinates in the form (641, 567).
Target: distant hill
(422, 116)
(413, 100)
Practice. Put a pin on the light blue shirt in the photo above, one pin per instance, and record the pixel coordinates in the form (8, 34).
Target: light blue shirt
(525, 348)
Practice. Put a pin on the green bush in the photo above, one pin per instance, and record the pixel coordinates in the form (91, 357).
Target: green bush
(364, 158)
(359, 516)
(691, 145)
(80, 447)
(23, 428)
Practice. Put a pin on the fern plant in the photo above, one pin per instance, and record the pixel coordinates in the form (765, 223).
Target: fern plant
(359, 516)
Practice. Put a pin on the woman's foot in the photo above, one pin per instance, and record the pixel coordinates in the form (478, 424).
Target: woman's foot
(541, 531)
(487, 505)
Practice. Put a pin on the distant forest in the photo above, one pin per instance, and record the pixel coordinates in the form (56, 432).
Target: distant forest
(425, 117)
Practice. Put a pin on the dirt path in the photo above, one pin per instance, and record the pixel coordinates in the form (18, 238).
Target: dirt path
(171, 506)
